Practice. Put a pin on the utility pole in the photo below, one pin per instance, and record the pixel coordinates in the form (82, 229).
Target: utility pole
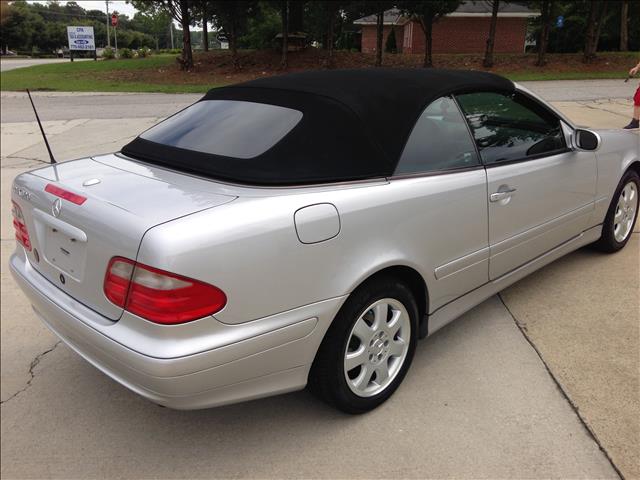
(171, 33)
(108, 21)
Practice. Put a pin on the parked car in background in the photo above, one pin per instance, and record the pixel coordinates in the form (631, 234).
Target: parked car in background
(308, 229)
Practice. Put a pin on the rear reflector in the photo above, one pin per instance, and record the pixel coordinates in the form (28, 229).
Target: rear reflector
(22, 235)
(65, 194)
(160, 296)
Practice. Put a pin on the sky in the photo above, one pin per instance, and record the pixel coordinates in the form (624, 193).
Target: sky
(119, 5)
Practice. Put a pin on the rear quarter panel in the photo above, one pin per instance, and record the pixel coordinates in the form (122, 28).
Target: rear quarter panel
(249, 248)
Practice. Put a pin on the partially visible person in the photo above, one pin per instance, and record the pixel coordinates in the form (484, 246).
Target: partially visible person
(635, 121)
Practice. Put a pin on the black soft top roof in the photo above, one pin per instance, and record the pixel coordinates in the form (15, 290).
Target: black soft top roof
(355, 124)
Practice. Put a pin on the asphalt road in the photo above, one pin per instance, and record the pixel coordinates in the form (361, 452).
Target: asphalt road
(481, 399)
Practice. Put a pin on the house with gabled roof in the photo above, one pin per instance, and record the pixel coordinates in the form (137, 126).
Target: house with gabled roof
(462, 31)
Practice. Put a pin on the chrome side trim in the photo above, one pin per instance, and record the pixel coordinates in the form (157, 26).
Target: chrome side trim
(461, 263)
(453, 310)
(527, 235)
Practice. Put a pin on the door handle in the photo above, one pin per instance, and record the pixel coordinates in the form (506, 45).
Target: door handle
(501, 195)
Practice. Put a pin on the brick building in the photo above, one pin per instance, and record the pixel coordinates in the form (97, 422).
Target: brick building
(463, 31)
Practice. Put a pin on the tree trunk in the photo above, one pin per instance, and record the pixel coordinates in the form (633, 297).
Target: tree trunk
(332, 19)
(624, 26)
(591, 33)
(285, 34)
(233, 45)
(187, 53)
(601, 20)
(296, 17)
(205, 33)
(427, 29)
(543, 38)
(488, 54)
(379, 37)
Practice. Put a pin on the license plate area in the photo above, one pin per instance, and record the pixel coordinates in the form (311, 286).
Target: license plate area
(65, 252)
(63, 246)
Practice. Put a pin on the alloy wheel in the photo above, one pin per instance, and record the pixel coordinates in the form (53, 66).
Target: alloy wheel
(377, 347)
(625, 213)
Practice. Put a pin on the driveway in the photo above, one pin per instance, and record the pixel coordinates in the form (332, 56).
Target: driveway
(540, 382)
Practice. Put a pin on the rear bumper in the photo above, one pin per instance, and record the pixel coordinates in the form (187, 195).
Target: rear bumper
(239, 362)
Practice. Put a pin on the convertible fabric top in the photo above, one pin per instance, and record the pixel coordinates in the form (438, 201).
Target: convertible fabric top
(354, 126)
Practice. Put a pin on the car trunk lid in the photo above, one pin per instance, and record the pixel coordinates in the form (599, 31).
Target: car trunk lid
(74, 241)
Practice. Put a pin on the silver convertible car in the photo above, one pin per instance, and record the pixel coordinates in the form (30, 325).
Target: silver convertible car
(308, 229)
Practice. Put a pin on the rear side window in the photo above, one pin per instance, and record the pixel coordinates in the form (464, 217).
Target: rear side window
(510, 126)
(229, 128)
(439, 140)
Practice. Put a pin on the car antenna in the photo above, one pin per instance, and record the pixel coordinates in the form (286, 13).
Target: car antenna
(46, 142)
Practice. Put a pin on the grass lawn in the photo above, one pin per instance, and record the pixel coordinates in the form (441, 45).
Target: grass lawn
(530, 76)
(100, 76)
(160, 73)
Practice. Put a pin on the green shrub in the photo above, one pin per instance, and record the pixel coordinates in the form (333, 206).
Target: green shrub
(108, 53)
(125, 53)
(144, 52)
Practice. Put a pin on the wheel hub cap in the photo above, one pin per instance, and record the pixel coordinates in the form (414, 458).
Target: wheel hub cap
(379, 348)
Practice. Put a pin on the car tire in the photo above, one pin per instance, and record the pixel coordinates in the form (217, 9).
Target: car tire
(368, 348)
(622, 214)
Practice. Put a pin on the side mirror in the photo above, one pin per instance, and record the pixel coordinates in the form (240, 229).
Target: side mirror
(586, 139)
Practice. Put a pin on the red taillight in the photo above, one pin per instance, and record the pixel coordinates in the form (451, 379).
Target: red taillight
(159, 296)
(117, 280)
(22, 235)
(65, 194)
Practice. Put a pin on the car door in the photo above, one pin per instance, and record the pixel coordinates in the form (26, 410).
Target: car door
(540, 192)
(442, 184)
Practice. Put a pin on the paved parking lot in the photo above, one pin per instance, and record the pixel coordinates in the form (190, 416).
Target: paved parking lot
(482, 399)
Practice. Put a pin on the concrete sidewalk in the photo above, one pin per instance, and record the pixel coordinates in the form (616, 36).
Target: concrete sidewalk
(478, 401)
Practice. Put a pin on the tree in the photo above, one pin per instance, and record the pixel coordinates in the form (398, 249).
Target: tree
(332, 8)
(205, 28)
(20, 26)
(180, 11)
(379, 37)
(391, 45)
(154, 24)
(624, 25)
(284, 12)
(597, 13)
(543, 37)
(378, 7)
(291, 14)
(426, 13)
(491, 39)
(263, 25)
(232, 18)
(201, 16)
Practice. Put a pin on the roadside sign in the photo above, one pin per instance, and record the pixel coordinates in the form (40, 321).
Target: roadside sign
(114, 20)
(81, 38)
(560, 21)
